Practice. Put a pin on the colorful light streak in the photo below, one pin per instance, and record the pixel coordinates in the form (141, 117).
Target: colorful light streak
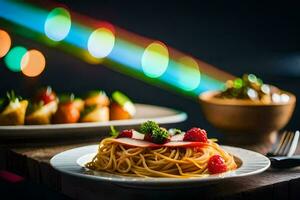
(96, 42)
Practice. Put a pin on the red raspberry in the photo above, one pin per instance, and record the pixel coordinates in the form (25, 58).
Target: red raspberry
(195, 135)
(125, 133)
(216, 164)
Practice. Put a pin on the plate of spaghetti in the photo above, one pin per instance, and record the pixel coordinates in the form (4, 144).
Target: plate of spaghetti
(153, 156)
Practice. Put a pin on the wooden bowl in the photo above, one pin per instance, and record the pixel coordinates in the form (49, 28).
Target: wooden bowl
(245, 122)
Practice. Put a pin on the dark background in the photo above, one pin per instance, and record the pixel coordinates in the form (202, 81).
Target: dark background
(261, 37)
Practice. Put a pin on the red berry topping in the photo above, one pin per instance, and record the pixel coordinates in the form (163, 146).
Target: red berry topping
(125, 133)
(195, 135)
(216, 164)
(46, 95)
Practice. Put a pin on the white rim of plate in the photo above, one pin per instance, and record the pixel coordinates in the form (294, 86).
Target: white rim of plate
(67, 162)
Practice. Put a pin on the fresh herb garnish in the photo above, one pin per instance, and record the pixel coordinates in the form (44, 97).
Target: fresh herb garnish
(3, 103)
(148, 127)
(120, 98)
(113, 132)
(159, 135)
(94, 93)
(34, 106)
(88, 109)
(65, 98)
(176, 131)
(152, 130)
(12, 97)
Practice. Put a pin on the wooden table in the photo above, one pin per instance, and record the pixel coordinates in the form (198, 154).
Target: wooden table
(32, 162)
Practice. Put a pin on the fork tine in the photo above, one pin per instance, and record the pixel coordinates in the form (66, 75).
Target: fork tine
(283, 144)
(288, 144)
(294, 144)
(279, 145)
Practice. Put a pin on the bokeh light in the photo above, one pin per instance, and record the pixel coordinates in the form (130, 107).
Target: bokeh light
(14, 57)
(33, 63)
(58, 24)
(155, 59)
(101, 42)
(188, 73)
(5, 43)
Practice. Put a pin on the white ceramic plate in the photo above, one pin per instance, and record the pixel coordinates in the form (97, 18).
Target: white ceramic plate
(72, 161)
(161, 115)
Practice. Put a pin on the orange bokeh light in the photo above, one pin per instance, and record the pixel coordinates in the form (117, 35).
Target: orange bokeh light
(5, 43)
(33, 63)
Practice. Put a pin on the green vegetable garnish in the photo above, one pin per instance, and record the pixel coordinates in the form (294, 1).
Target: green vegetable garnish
(120, 98)
(87, 110)
(93, 93)
(12, 97)
(64, 98)
(159, 135)
(32, 107)
(3, 103)
(176, 131)
(113, 132)
(239, 88)
(238, 83)
(148, 127)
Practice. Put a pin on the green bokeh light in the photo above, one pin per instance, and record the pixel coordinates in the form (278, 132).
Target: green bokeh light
(155, 60)
(14, 57)
(189, 74)
(58, 24)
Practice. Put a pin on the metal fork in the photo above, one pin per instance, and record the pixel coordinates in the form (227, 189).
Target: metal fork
(286, 146)
(281, 155)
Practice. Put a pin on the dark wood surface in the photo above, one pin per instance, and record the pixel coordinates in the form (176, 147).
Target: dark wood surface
(32, 161)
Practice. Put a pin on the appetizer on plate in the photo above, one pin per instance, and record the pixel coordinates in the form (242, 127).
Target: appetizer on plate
(96, 107)
(12, 110)
(121, 107)
(96, 97)
(46, 108)
(95, 113)
(42, 107)
(68, 110)
(153, 151)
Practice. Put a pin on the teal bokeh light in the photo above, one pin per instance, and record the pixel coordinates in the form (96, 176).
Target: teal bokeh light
(14, 57)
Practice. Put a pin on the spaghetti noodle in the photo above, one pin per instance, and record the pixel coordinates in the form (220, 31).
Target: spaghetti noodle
(162, 161)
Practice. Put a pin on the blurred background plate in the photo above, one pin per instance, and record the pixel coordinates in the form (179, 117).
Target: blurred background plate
(162, 115)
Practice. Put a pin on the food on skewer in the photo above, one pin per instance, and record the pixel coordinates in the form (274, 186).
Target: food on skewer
(121, 107)
(42, 107)
(95, 113)
(96, 107)
(46, 108)
(96, 97)
(12, 110)
(68, 110)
